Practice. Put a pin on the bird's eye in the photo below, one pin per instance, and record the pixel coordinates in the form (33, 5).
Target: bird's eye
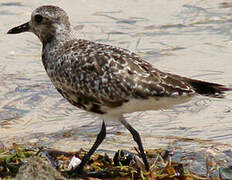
(38, 18)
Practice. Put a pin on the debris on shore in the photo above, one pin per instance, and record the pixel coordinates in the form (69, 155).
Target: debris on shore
(25, 163)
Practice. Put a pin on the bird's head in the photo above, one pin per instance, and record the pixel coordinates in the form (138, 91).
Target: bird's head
(46, 22)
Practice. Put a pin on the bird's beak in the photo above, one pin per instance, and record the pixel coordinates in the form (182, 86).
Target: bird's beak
(19, 29)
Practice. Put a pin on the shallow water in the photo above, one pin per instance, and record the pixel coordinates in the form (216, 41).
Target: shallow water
(190, 38)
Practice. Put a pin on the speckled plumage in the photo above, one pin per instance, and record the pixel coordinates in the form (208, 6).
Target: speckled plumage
(103, 79)
(96, 77)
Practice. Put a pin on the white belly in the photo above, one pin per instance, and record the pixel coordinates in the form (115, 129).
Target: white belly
(153, 103)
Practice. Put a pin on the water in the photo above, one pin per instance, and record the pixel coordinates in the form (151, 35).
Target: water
(190, 38)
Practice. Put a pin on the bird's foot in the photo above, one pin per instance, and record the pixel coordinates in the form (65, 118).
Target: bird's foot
(75, 172)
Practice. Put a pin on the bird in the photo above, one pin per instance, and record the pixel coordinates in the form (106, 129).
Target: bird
(105, 80)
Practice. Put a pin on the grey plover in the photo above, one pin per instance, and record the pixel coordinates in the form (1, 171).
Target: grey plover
(106, 80)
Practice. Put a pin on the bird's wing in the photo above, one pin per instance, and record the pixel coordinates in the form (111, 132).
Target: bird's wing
(116, 75)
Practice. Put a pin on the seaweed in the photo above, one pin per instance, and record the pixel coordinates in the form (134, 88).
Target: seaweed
(16, 161)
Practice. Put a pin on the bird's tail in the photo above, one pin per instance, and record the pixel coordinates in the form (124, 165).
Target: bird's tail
(208, 89)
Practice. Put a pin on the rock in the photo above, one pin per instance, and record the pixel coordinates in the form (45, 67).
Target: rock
(38, 169)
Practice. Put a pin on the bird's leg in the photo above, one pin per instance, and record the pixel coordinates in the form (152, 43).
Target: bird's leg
(137, 139)
(101, 136)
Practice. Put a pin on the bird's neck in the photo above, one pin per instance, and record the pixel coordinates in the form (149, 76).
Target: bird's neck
(56, 40)
(57, 35)
(52, 44)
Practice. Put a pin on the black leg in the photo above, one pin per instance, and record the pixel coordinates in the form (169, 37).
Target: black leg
(101, 136)
(137, 139)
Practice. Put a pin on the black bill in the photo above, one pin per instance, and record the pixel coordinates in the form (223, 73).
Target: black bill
(19, 29)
